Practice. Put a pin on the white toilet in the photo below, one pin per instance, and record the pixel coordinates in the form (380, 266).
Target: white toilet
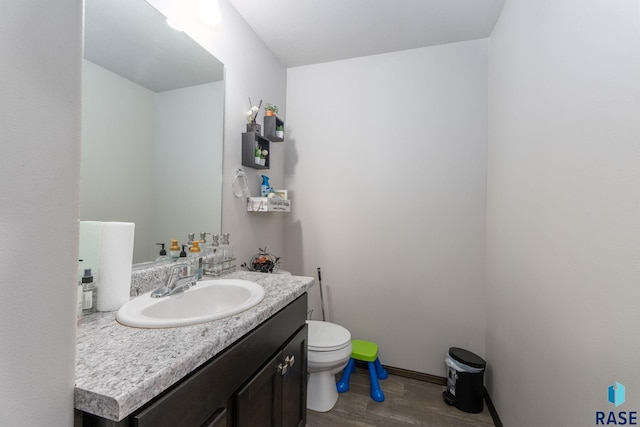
(329, 350)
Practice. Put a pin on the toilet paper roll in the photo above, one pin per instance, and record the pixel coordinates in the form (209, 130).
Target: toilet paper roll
(90, 232)
(116, 257)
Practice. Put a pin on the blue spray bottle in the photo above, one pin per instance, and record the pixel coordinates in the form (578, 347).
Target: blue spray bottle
(265, 188)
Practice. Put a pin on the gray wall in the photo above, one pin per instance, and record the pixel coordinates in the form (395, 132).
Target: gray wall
(386, 167)
(40, 113)
(146, 157)
(41, 52)
(188, 166)
(118, 137)
(563, 257)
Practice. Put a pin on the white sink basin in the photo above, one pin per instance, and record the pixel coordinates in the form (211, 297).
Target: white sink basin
(206, 301)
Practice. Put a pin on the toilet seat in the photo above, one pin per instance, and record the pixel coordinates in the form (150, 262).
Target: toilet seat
(326, 336)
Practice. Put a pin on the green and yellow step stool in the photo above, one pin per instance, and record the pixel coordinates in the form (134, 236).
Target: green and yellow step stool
(365, 351)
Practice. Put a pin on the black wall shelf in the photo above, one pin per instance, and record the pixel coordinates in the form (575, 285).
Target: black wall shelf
(251, 140)
(271, 123)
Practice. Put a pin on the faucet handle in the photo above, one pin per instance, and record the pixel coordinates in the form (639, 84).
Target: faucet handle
(176, 269)
(176, 273)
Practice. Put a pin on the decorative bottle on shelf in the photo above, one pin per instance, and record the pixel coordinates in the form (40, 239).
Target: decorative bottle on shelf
(265, 188)
(254, 127)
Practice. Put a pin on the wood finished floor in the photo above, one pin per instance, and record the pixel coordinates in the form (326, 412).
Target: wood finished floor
(408, 402)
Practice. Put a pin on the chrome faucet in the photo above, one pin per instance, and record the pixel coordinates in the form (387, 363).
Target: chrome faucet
(179, 281)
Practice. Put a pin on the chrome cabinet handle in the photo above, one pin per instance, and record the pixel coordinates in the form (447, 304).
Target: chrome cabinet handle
(290, 360)
(283, 368)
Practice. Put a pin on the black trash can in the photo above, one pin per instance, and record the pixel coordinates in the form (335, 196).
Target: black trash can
(465, 380)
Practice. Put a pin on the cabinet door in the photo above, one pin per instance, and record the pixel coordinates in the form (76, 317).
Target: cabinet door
(294, 382)
(218, 419)
(258, 402)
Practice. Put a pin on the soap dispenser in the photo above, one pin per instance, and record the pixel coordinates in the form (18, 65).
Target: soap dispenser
(203, 237)
(174, 250)
(182, 259)
(89, 293)
(195, 257)
(163, 258)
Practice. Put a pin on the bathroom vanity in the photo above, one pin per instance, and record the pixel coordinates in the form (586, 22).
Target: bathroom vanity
(246, 370)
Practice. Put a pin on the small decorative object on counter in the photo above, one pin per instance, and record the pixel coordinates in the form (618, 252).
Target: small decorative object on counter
(228, 253)
(89, 293)
(215, 257)
(263, 262)
(218, 256)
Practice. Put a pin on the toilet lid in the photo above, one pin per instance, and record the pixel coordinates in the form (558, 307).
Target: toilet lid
(326, 336)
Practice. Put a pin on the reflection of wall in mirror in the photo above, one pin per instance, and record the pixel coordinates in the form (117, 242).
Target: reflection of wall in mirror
(125, 160)
(188, 165)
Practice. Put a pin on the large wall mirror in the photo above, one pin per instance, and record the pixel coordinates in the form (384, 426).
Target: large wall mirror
(153, 102)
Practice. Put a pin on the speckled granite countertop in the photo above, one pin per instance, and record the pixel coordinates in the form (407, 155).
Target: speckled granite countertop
(119, 368)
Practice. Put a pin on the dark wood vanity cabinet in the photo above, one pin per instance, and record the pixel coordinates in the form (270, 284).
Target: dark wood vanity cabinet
(258, 381)
(276, 395)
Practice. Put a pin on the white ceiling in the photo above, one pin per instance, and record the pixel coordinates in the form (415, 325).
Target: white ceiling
(303, 32)
(132, 39)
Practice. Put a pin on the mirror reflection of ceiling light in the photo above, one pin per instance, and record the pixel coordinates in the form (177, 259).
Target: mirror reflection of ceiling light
(209, 12)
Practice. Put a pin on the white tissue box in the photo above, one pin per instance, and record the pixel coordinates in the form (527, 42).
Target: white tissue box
(268, 204)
